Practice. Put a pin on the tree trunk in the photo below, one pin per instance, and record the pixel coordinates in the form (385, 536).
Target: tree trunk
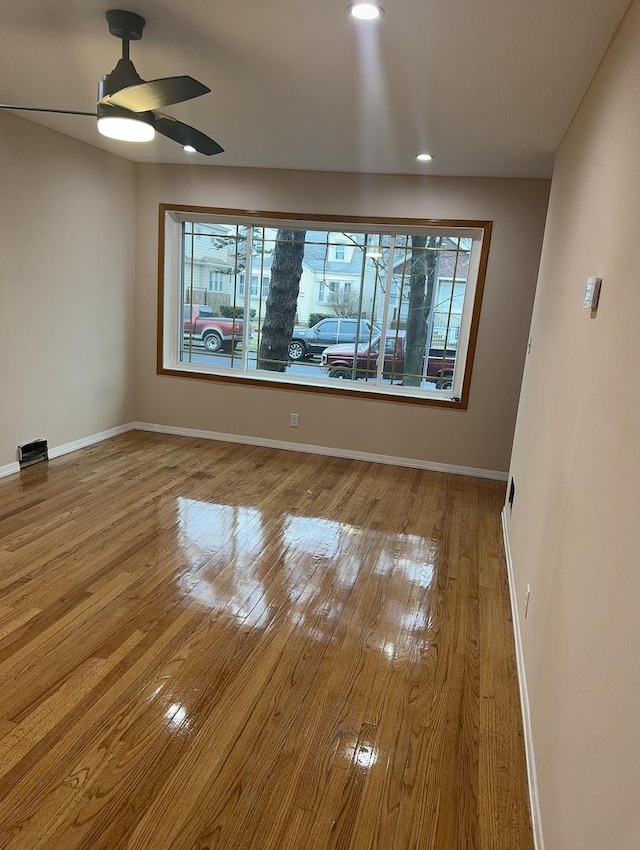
(280, 311)
(421, 285)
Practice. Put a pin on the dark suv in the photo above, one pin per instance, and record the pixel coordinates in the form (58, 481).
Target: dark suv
(330, 332)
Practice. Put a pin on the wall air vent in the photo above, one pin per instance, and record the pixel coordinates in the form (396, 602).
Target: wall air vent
(33, 452)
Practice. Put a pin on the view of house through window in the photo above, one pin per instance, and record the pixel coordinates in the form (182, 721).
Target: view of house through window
(386, 310)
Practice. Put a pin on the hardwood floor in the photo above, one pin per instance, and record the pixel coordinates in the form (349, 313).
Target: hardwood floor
(206, 645)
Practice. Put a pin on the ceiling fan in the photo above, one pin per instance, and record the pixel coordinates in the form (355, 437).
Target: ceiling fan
(127, 107)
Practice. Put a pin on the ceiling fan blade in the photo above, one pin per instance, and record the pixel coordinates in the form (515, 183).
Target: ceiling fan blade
(185, 135)
(42, 109)
(155, 94)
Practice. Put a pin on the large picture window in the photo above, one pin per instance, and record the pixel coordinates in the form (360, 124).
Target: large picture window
(323, 294)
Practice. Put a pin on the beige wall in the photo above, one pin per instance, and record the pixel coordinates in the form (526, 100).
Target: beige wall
(479, 437)
(67, 218)
(576, 464)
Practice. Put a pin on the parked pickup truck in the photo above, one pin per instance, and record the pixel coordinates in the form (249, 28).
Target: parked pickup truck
(215, 332)
(338, 361)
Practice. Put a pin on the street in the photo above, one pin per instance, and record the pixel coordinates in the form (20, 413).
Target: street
(310, 368)
(223, 358)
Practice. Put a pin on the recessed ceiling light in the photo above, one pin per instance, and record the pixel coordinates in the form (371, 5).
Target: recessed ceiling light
(424, 157)
(365, 11)
(190, 149)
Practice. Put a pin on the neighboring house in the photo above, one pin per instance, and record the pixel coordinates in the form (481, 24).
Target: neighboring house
(330, 276)
(451, 270)
(335, 271)
(207, 263)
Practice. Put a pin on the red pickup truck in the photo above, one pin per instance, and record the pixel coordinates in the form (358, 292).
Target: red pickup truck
(338, 361)
(215, 332)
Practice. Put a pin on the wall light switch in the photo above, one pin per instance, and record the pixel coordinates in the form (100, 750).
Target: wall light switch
(592, 293)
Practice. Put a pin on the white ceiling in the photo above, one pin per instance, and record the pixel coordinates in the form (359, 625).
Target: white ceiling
(488, 86)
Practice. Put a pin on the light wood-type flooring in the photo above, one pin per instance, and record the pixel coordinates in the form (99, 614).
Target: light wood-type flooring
(207, 645)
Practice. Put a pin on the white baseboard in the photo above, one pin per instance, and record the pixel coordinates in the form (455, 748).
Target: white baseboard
(534, 799)
(9, 469)
(328, 451)
(83, 442)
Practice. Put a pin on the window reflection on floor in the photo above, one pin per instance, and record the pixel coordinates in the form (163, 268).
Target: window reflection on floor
(238, 560)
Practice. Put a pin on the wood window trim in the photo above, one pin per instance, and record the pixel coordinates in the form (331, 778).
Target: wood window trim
(396, 223)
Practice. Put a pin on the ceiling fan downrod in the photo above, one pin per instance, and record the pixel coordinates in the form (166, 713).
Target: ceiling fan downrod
(126, 26)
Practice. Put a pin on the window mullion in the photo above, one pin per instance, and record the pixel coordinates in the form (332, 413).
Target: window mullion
(385, 309)
(247, 297)
(191, 268)
(451, 303)
(359, 317)
(467, 314)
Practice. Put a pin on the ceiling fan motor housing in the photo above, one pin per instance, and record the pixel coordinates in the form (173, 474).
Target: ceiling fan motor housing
(122, 76)
(127, 26)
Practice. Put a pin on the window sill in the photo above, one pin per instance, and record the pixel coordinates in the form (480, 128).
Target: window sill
(343, 389)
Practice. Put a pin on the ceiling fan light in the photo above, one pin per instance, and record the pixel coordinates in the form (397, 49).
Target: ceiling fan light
(125, 129)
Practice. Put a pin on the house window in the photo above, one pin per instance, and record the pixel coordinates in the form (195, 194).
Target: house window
(216, 281)
(419, 291)
(447, 313)
(339, 296)
(339, 253)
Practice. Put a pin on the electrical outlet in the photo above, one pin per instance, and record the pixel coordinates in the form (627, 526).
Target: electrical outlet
(294, 420)
(592, 293)
(527, 596)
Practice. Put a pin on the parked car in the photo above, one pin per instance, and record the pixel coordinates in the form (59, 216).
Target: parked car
(329, 332)
(215, 332)
(338, 360)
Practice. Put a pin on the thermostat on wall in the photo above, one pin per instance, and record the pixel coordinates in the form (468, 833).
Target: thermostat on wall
(592, 293)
